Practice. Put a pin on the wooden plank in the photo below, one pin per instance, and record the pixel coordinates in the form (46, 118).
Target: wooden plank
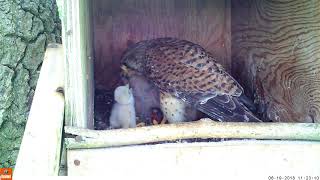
(203, 129)
(277, 46)
(118, 23)
(86, 51)
(217, 160)
(41, 144)
(79, 63)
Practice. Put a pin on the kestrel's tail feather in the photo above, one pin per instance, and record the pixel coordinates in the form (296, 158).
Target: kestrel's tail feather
(222, 108)
(227, 109)
(247, 102)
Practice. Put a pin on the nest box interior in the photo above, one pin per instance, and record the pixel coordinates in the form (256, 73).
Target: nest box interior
(117, 24)
(242, 35)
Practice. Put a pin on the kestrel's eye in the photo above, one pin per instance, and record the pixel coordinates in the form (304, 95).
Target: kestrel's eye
(125, 63)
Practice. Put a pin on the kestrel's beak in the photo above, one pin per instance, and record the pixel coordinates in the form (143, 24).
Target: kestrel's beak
(124, 70)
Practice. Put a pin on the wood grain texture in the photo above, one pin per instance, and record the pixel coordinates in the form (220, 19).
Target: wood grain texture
(276, 54)
(118, 23)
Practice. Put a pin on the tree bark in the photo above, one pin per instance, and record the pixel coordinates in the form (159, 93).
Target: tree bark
(26, 27)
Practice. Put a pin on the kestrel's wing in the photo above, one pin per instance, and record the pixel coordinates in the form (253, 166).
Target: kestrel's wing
(186, 71)
(222, 108)
(187, 67)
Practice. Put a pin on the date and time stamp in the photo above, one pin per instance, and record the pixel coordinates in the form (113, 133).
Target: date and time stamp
(293, 177)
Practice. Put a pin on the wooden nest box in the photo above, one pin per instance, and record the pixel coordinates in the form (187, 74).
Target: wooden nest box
(270, 47)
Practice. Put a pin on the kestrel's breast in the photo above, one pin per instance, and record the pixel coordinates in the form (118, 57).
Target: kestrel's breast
(179, 65)
(175, 110)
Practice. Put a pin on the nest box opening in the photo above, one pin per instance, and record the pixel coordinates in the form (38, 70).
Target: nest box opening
(119, 24)
(240, 37)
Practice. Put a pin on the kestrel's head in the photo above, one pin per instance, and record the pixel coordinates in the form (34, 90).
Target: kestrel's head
(134, 57)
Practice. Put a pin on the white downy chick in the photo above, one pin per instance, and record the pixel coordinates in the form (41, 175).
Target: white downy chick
(123, 113)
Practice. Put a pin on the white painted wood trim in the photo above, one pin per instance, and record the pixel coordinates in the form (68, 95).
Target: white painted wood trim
(41, 144)
(76, 37)
(247, 159)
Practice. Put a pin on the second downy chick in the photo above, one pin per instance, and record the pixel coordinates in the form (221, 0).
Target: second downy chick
(123, 113)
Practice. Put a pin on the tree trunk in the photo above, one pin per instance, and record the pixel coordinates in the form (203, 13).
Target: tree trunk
(26, 27)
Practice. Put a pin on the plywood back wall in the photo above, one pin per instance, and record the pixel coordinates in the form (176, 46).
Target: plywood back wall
(117, 22)
(276, 53)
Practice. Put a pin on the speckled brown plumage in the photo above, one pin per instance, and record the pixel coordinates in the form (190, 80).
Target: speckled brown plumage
(188, 72)
(179, 64)
(176, 110)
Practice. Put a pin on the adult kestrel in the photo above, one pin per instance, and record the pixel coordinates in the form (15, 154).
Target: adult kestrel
(187, 76)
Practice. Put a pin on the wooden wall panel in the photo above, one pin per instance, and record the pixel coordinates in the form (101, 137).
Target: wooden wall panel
(119, 22)
(39, 153)
(206, 161)
(77, 44)
(276, 54)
